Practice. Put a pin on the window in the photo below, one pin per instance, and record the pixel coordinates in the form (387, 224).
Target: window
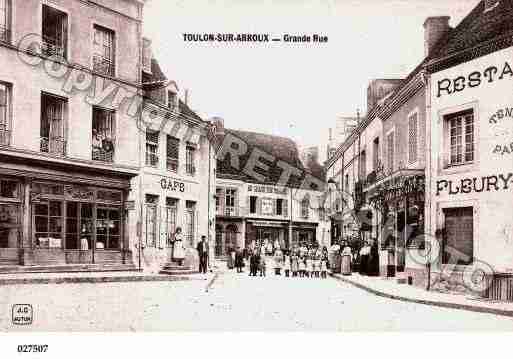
(152, 148)
(461, 135)
(108, 228)
(151, 219)
(190, 221)
(170, 220)
(171, 100)
(390, 152)
(252, 204)
(172, 150)
(5, 20)
(103, 135)
(230, 202)
(5, 114)
(375, 154)
(346, 187)
(279, 206)
(305, 203)
(52, 130)
(190, 153)
(219, 198)
(363, 164)
(459, 237)
(103, 51)
(48, 222)
(412, 138)
(55, 32)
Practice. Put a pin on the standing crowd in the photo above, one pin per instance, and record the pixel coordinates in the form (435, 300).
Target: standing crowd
(305, 261)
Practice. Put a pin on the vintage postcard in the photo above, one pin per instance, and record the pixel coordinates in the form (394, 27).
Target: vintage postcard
(255, 166)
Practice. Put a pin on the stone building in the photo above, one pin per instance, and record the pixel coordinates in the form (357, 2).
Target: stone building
(70, 78)
(254, 206)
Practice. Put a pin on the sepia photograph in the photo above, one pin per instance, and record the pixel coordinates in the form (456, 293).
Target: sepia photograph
(253, 166)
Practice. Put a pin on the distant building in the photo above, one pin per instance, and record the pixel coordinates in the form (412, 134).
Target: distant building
(338, 134)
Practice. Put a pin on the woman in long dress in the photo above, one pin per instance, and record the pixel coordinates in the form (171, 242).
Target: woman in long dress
(324, 262)
(178, 246)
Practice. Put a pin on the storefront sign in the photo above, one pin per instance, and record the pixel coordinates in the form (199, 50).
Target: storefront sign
(267, 189)
(172, 185)
(499, 182)
(78, 193)
(474, 79)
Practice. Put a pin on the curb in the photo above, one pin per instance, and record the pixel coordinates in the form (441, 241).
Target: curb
(75, 280)
(470, 308)
(211, 282)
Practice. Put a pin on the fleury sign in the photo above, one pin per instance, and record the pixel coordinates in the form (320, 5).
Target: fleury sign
(500, 182)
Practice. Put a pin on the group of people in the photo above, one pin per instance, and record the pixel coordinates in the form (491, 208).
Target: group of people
(301, 261)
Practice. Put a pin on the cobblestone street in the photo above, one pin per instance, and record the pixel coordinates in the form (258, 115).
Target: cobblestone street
(234, 302)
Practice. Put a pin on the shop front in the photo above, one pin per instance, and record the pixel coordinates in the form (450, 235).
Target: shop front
(304, 233)
(49, 217)
(399, 203)
(261, 231)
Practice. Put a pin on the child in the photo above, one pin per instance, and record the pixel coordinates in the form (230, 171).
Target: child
(324, 263)
(262, 264)
(309, 264)
(286, 264)
(317, 262)
(294, 264)
(302, 266)
(278, 261)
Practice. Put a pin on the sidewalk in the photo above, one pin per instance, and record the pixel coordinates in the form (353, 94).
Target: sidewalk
(96, 277)
(389, 288)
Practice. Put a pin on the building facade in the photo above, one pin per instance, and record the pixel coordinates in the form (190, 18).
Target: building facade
(66, 151)
(252, 210)
(175, 187)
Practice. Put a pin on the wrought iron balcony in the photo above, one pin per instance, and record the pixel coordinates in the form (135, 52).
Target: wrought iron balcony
(100, 154)
(229, 211)
(103, 65)
(152, 159)
(53, 145)
(52, 47)
(172, 164)
(191, 170)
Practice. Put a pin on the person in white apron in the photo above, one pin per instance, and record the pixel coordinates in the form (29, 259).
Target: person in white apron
(178, 246)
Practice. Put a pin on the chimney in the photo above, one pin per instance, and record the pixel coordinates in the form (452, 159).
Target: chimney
(146, 55)
(434, 29)
(490, 4)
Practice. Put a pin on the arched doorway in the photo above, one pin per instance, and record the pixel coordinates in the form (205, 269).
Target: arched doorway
(219, 241)
(231, 237)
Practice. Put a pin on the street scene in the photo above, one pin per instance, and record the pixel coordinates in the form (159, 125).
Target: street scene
(167, 167)
(233, 303)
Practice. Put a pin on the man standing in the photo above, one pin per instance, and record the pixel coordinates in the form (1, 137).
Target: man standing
(203, 254)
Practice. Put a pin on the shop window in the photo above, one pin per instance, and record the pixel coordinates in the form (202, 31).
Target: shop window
(461, 137)
(55, 32)
(48, 222)
(108, 228)
(170, 221)
(5, 20)
(413, 137)
(9, 189)
(190, 222)
(103, 135)
(52, 131)
(151, 219)
(9, 225)
(152, 148)
(103, 51)
(172, 150)
(252, 204)
(190, 159)
(5, 114)
(459, 236)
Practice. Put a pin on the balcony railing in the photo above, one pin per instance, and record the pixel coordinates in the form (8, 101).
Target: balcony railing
(172, 164)
(103, 65)
(152, 159)
(51, 47)
(53, 145)
(229, 211)
(5, 137)
(100, 154)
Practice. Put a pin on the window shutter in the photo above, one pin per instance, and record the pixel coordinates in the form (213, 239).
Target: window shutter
(259, 206)
(285, 209)
(248, 204)
(161, 228)
(275, 204)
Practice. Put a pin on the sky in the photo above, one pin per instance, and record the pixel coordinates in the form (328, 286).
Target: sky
(294, 90)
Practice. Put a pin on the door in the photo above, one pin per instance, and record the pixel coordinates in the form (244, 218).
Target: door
(459, 225)
(400, 244)
(9, 233)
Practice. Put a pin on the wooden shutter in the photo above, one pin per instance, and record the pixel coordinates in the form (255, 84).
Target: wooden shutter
(285, 208)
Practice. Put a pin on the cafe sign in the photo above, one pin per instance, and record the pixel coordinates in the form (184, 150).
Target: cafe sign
(169, 184)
